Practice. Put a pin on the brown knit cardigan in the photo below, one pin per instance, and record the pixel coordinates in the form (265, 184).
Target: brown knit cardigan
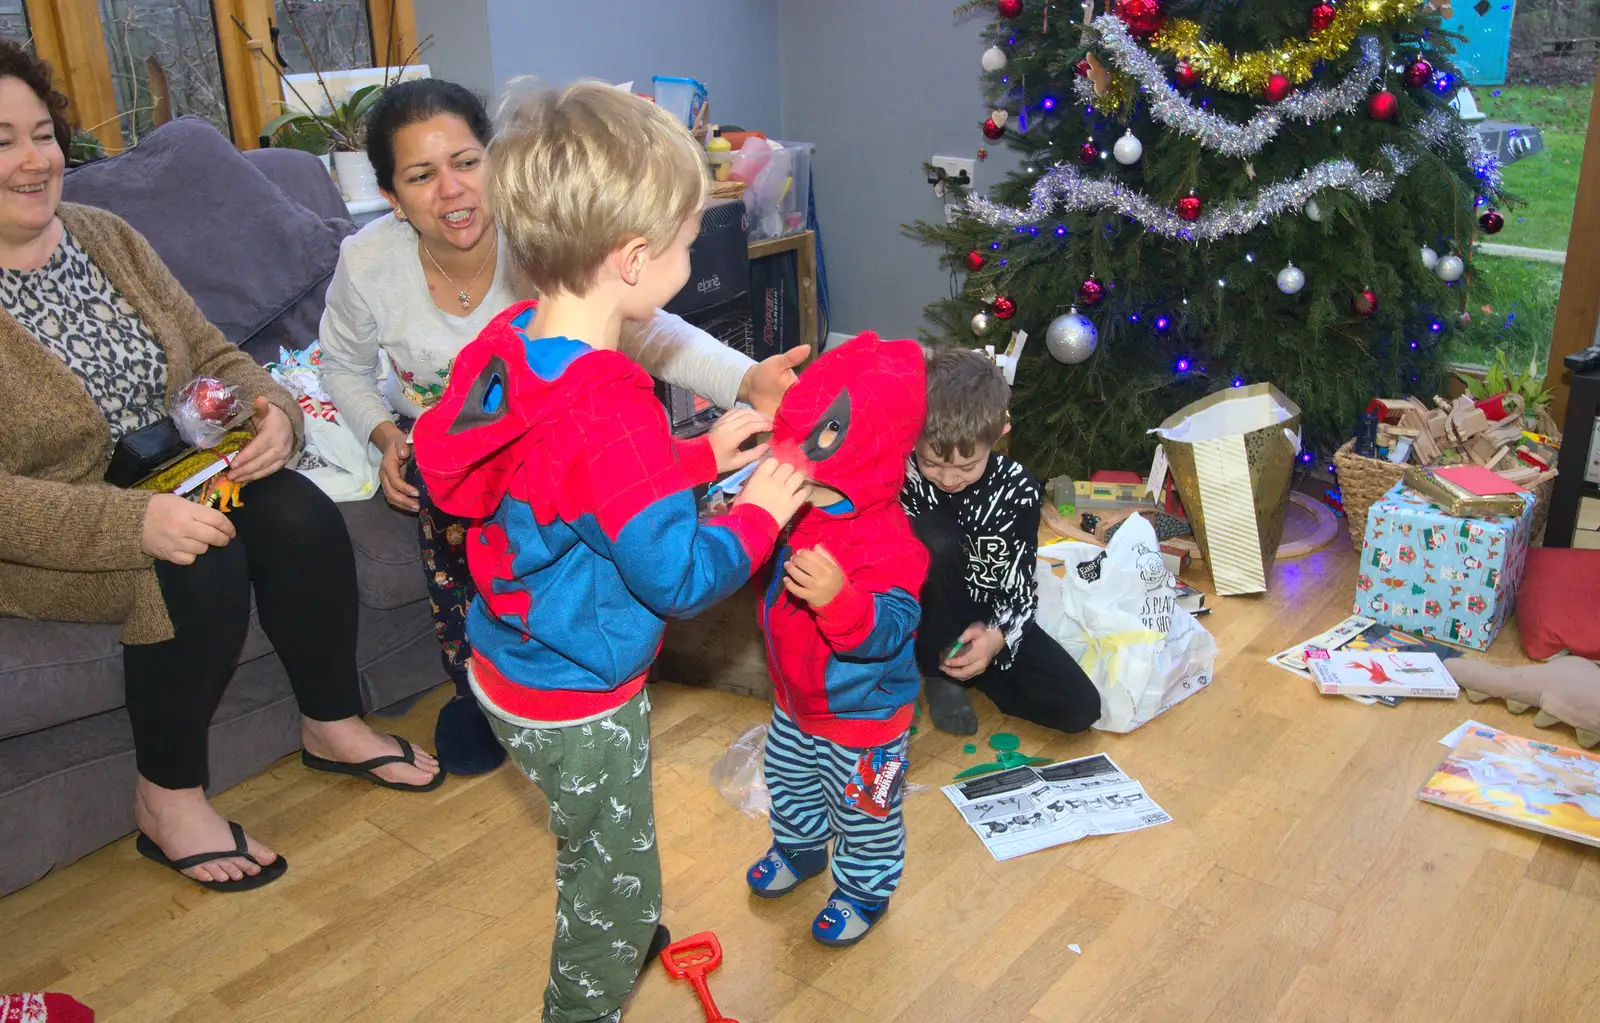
(69, 542)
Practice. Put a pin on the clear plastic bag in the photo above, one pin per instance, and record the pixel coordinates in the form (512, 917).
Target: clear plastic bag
(203, 411)
(740, 774)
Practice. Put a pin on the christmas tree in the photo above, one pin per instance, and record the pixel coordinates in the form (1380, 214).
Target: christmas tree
(1215, 193)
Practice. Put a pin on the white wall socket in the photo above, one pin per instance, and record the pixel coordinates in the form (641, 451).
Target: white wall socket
(954, 165)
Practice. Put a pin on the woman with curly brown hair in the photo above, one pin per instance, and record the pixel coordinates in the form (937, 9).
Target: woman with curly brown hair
(95, 339)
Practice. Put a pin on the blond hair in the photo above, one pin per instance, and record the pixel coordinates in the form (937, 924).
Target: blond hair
(576, 172)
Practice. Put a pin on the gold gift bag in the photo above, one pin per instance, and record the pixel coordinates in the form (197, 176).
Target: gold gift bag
(1231, 455)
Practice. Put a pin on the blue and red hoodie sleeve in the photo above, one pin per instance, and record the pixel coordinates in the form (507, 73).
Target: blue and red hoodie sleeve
(646, 520)
(876, 614)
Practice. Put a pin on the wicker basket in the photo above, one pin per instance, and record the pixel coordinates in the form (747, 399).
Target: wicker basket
(1364, 481)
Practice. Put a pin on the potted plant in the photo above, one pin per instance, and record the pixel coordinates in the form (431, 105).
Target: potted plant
(332, 128)
(341, 132)
(1500, 379)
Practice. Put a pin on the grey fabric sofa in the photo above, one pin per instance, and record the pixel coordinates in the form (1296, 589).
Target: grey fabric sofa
(254, 238)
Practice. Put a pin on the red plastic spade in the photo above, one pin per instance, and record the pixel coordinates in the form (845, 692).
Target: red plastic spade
(691, 959)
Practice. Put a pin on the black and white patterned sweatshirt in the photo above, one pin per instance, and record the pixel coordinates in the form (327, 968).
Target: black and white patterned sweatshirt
(999, 521)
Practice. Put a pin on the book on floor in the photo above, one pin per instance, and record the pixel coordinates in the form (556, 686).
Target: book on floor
(1381, 673)
(1517, 781)
(1189, 598)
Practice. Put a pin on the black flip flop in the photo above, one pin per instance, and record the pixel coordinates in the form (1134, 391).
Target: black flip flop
(365, 769)
(269, 873)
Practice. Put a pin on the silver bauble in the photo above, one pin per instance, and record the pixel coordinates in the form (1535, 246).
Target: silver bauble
(1128, 150)
(1430, 258)
(1450, 268)
(1313, 211)
(1291, 279)
(981, 322)
(1071, 337)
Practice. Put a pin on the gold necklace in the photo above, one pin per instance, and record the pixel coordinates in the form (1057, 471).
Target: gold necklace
(463, 295)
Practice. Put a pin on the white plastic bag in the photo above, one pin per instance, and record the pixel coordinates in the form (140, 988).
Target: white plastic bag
(740, 774)
(1116, 613)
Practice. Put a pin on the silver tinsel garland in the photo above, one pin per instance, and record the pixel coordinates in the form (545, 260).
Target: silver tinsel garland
(1213, 131)
(1442, 129)
(1063, 189)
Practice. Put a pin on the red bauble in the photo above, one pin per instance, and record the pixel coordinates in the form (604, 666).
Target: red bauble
(1144, 18)
(1491, 221)
(1382, 106)
(214, 400)
(1082, 68)
(1418, 73)
(1277, 89)
(1091, 291)
(974, 261)
(1004, 308)
(1009, 8)
(1189, 207)
(1185, 74)
(1365, 303)
(1088, 153)
(1321, 17)
(992, 131)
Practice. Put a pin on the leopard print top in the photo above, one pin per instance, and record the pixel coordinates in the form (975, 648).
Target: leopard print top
(74, 310)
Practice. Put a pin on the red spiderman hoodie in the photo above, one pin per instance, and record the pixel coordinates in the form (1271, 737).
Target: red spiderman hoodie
(846, 671)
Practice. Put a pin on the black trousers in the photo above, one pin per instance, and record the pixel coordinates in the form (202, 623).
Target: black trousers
(291, 546)
(1042, 684)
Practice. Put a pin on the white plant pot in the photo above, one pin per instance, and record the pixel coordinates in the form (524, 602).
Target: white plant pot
(357, 179)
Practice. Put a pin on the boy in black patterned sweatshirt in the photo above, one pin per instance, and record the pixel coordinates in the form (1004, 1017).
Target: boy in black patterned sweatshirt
(978, 514)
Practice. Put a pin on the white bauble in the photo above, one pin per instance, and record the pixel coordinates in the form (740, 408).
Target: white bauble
(1291, 279)
(981, 322)
(1450, 268)
(1071, 337)
(1128, 150)
(1430, 258)
(1313, 211)
(994, 58)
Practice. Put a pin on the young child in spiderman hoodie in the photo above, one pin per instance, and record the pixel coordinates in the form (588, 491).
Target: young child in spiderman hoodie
(840, 612)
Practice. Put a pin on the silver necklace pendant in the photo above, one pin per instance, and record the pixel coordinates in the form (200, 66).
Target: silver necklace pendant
(466, 299)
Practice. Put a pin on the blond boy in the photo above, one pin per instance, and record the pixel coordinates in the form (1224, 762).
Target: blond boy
(586, 537)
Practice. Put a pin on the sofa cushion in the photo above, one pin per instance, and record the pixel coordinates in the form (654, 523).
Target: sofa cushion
(244, 269)
(52, 672)
(388, 557)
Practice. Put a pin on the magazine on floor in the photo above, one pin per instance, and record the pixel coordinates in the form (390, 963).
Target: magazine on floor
(1026, 809)
(1518, 781)
(1364, 634)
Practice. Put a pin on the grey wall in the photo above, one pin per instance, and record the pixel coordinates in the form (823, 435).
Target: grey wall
(880, 86)
(459, 48)
(730, 45)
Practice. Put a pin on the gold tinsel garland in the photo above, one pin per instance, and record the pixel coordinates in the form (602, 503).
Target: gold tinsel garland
(1247, 73)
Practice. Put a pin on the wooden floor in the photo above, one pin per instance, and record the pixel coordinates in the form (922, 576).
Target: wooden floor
(1301, 880)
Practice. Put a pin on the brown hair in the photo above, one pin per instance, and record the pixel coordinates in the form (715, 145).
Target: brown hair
(16, 61)
(577, 172)
(968, 398)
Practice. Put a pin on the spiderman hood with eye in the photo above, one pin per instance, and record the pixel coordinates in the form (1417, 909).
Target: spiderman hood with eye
(846, 670)
(854, 417)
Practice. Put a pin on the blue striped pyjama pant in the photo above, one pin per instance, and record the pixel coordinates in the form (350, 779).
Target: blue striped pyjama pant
(806, 776)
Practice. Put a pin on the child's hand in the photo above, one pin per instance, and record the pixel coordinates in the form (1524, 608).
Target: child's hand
(732, 432)
(813, 576)
(777, 489)
(980, 644)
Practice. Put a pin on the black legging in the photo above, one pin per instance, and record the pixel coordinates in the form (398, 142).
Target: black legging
(292, 546)
(1043, 684)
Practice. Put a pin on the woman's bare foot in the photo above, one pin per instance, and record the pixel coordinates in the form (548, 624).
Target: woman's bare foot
(352, 741)
(183, 823)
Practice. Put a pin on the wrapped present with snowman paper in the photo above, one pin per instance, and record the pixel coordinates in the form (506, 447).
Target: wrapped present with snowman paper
(1434, 574)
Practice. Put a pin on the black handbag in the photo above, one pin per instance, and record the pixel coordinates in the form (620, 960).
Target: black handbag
(144, 452)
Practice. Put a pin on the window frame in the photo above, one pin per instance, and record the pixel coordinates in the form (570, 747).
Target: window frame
(69, 35)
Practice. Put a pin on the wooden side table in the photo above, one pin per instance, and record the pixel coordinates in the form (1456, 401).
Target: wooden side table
(1583, 405)
(804, 245)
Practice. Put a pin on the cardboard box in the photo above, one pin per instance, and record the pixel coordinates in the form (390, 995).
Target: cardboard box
(1436, 575)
